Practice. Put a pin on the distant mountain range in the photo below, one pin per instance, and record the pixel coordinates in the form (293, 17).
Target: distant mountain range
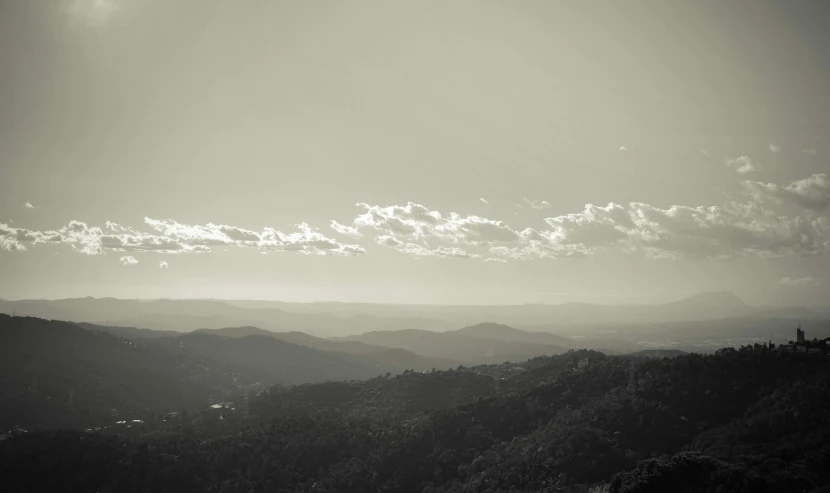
(345, 319)
(58, 373)
(479, 344)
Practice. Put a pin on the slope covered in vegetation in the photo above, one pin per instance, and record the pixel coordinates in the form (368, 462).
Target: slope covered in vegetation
(733, 421)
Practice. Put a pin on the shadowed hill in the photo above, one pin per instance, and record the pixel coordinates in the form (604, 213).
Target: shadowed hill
(735, 421)
(391, 359)
(285, 362)
(42, 362)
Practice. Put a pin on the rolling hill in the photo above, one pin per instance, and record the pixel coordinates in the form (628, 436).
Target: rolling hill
(501, 332)
(55, 374)
(387, 359)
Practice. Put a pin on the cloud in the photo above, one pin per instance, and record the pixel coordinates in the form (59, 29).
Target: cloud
(774, 148)
(14, 239)
(743, 164)
(705, 152)
(163, 264)
(307, 240)
(29, 205)
(496, 260)
(173, 237)
(811, 193)
(484, 200)
(810, 152)
(623, 148)
(765, 220)
(128, 260)
(345, 230)
(768, 221)
(537, 204)
(807, 281)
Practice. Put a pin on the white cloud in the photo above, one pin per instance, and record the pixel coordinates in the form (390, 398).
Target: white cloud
(29, 205)
(807, 281)
(345, 230)
(128, 260)
(307, 240)
(809, 193)
(774, 148)
(496, 260)
(484, 200)
(623, 148)
(537, 204)
(174, 237)
(810, 152)
(743, 164)
(14, 239)
(163, 264)
(757, 225)
(766, 220)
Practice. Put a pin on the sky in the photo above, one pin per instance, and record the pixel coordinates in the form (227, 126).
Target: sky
(433, 152)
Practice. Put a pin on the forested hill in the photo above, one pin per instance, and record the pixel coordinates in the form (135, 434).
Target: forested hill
(736, 421)
(58, 374)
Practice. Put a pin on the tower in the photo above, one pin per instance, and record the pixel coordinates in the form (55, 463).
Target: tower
(799, 335)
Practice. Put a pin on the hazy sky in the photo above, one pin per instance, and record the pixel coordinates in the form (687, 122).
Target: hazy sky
(419, 152)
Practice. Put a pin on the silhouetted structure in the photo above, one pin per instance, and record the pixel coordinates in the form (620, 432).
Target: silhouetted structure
(799, 335)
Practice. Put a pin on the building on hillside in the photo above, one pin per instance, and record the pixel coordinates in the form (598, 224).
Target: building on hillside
(804, 345)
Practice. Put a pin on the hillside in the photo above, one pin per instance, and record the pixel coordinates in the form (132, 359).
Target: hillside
(42, 362)
(380, 357)
(282, 361)
(737, 421)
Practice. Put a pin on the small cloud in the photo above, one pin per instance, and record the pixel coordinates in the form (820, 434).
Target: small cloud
(345, 230)
(537, 204)
(623, 148)
(743, 164)
(163, 265)
(774, 148)
(800, 281)
(128, 260)
(705, 152)
(810, 152)
(484, 200)
(29, 205)
(496, 259)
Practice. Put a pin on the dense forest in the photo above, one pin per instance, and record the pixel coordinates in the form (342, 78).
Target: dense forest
(742, 420)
